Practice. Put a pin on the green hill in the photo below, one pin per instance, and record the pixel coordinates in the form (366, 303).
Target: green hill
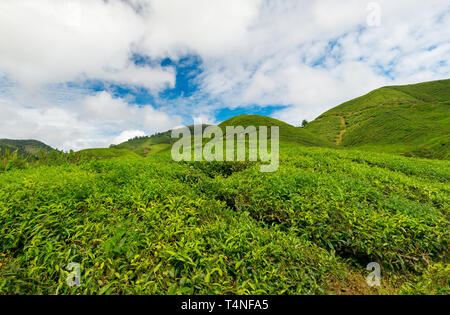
(413, 120)
(150, 145)
(288, 133)
(145, 146)
(24, 147)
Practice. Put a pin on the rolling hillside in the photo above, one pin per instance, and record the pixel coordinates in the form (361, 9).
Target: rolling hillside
(24, 147)
(413, 120)
(145, 146)
(161, 142)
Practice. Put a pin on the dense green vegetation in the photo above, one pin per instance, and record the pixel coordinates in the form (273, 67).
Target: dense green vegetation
(140, 223)
(97, 154)
(150, 225)
(413, 120)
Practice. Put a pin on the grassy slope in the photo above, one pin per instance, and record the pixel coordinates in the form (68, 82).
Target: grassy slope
(97, 154)
(413, 119)
(147, 145)
(288, 133)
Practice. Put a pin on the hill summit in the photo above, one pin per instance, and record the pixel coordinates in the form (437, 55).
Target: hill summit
(288, 133)
(411, 120)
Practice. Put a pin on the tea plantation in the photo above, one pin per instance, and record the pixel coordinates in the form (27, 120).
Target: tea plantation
(367, 181)
(149, 225)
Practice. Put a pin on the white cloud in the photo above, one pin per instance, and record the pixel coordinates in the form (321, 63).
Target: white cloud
(206, 27)
(52, 41)
(312, 56)
(308, 55)
(91, 121)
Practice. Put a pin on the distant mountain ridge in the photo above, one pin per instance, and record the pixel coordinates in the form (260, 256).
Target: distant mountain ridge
(24, 147)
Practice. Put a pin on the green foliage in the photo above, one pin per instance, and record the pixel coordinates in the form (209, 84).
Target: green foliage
(12, 160)
(96, 154)
(364, 207)
(153, 226)
(225, 169)
(137, 226)
(434, 281)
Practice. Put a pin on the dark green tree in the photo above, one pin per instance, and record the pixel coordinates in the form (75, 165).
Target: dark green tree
(304, 123)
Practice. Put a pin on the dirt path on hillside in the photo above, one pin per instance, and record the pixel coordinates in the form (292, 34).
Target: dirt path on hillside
(341, 135)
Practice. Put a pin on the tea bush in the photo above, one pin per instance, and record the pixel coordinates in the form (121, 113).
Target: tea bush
(152, 226)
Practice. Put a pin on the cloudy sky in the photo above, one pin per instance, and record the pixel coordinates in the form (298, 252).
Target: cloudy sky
(88, 73)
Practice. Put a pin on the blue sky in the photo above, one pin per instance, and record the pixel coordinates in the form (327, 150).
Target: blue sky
(78, 74)
(187, 69)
